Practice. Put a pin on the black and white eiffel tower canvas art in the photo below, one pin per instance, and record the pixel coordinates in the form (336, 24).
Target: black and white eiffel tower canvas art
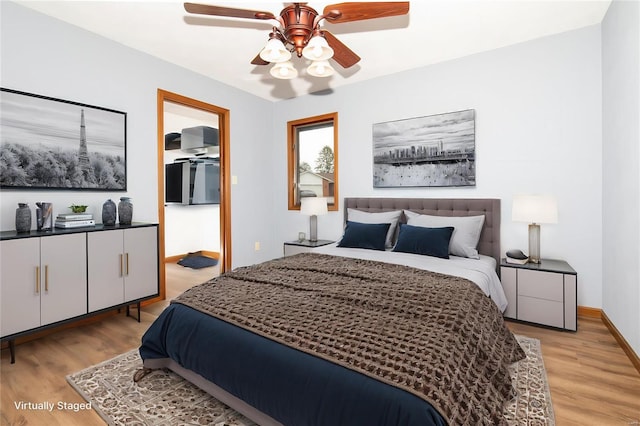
(49, 143)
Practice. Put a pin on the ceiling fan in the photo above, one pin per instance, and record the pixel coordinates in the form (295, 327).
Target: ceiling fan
(298, 31)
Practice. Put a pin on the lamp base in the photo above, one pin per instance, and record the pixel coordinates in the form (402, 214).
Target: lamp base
(313, 228)
(534, 243)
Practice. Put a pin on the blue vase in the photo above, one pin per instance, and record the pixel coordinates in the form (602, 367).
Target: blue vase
(109, 213)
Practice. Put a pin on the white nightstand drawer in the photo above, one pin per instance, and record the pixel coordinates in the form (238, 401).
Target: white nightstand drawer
(544, 293)
(305, 246)
(291, 250)
(541, 311)
(541, 285)
(509, 280)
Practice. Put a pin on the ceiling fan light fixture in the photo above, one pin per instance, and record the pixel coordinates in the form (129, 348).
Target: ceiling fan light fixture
(298, 30)
(284, 70)
(274, 51)
(317, 49)
(320, 69)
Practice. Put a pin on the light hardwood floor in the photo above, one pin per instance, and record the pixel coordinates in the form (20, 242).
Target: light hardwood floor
(592, 381)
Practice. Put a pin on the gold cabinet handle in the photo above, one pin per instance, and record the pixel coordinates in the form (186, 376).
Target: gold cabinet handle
(37, 280)
(121, 273)
(127, 270)
(46, 277)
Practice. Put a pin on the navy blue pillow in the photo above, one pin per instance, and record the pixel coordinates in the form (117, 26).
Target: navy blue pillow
(427, 241)
(365, 235)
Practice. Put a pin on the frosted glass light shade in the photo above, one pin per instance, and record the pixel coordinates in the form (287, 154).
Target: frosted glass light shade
(317, 49)
(274, 51)
(320, 69)
(284, 70)
(313, 206)
(535, 209)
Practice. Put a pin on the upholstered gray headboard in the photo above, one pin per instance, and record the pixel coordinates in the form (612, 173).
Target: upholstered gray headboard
(489, 243)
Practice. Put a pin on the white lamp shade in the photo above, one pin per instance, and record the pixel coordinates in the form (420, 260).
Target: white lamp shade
(284, 71)
(320, 69)
(317, 49)
(535, 209)
(313, 206)
(274, 51)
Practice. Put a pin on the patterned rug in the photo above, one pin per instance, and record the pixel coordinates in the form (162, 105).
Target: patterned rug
(164, 398)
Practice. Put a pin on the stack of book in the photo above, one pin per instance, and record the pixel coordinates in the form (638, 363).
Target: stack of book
(74, 220)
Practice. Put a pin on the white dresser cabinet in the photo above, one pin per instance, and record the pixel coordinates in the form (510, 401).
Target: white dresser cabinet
(544, 293)
(53, 277)
(44, 280)
(122, 266)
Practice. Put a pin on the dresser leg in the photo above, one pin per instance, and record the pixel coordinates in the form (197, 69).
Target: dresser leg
(12, 351)
(137, 307)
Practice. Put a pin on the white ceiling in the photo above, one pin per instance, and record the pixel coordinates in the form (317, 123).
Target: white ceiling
(222, 48)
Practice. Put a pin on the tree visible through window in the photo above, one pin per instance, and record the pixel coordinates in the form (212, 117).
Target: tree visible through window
(312, 144)
(324, 163)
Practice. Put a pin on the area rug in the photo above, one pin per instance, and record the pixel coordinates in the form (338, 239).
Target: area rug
(164, 398)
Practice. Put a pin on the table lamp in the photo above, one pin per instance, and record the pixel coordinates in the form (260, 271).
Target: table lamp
(534, 209)
(313, 206)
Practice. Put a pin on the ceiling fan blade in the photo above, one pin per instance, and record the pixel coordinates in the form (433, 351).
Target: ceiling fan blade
(259, 61)
(205, 9)
(341, 53)
(358, 11)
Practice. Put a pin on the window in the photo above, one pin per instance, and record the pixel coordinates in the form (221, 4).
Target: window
(313, 159)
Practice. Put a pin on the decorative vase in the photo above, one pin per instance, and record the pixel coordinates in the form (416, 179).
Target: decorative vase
(23, 218)
(44, 216)
(125, 211)
(109, 213)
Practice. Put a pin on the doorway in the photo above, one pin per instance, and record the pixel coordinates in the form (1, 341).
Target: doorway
(195, 116)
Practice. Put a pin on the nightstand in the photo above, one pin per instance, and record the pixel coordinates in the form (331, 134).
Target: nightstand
(304, 246)
(544, 293)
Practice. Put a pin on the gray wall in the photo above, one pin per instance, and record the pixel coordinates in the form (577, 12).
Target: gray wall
(621, 167)
(538, 130)
(45, 56)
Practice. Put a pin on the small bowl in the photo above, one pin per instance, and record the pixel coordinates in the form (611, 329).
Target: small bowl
(78, 208)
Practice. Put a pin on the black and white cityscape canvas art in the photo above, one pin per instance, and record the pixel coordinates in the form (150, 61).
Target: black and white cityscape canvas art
(49, 143)
(437, 150)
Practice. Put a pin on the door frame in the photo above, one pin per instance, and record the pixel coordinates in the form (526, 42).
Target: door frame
(225, 179)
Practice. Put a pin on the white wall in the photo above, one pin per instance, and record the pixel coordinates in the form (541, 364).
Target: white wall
(621, 168)
(546, 112)
(45, 56)
(538, 130)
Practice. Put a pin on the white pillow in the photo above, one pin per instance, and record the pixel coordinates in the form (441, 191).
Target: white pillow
(391, 217)
(466, 232)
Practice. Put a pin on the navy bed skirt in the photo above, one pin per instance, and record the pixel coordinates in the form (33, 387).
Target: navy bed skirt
(291, 386)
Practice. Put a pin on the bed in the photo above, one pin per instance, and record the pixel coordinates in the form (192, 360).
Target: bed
(341, 338)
